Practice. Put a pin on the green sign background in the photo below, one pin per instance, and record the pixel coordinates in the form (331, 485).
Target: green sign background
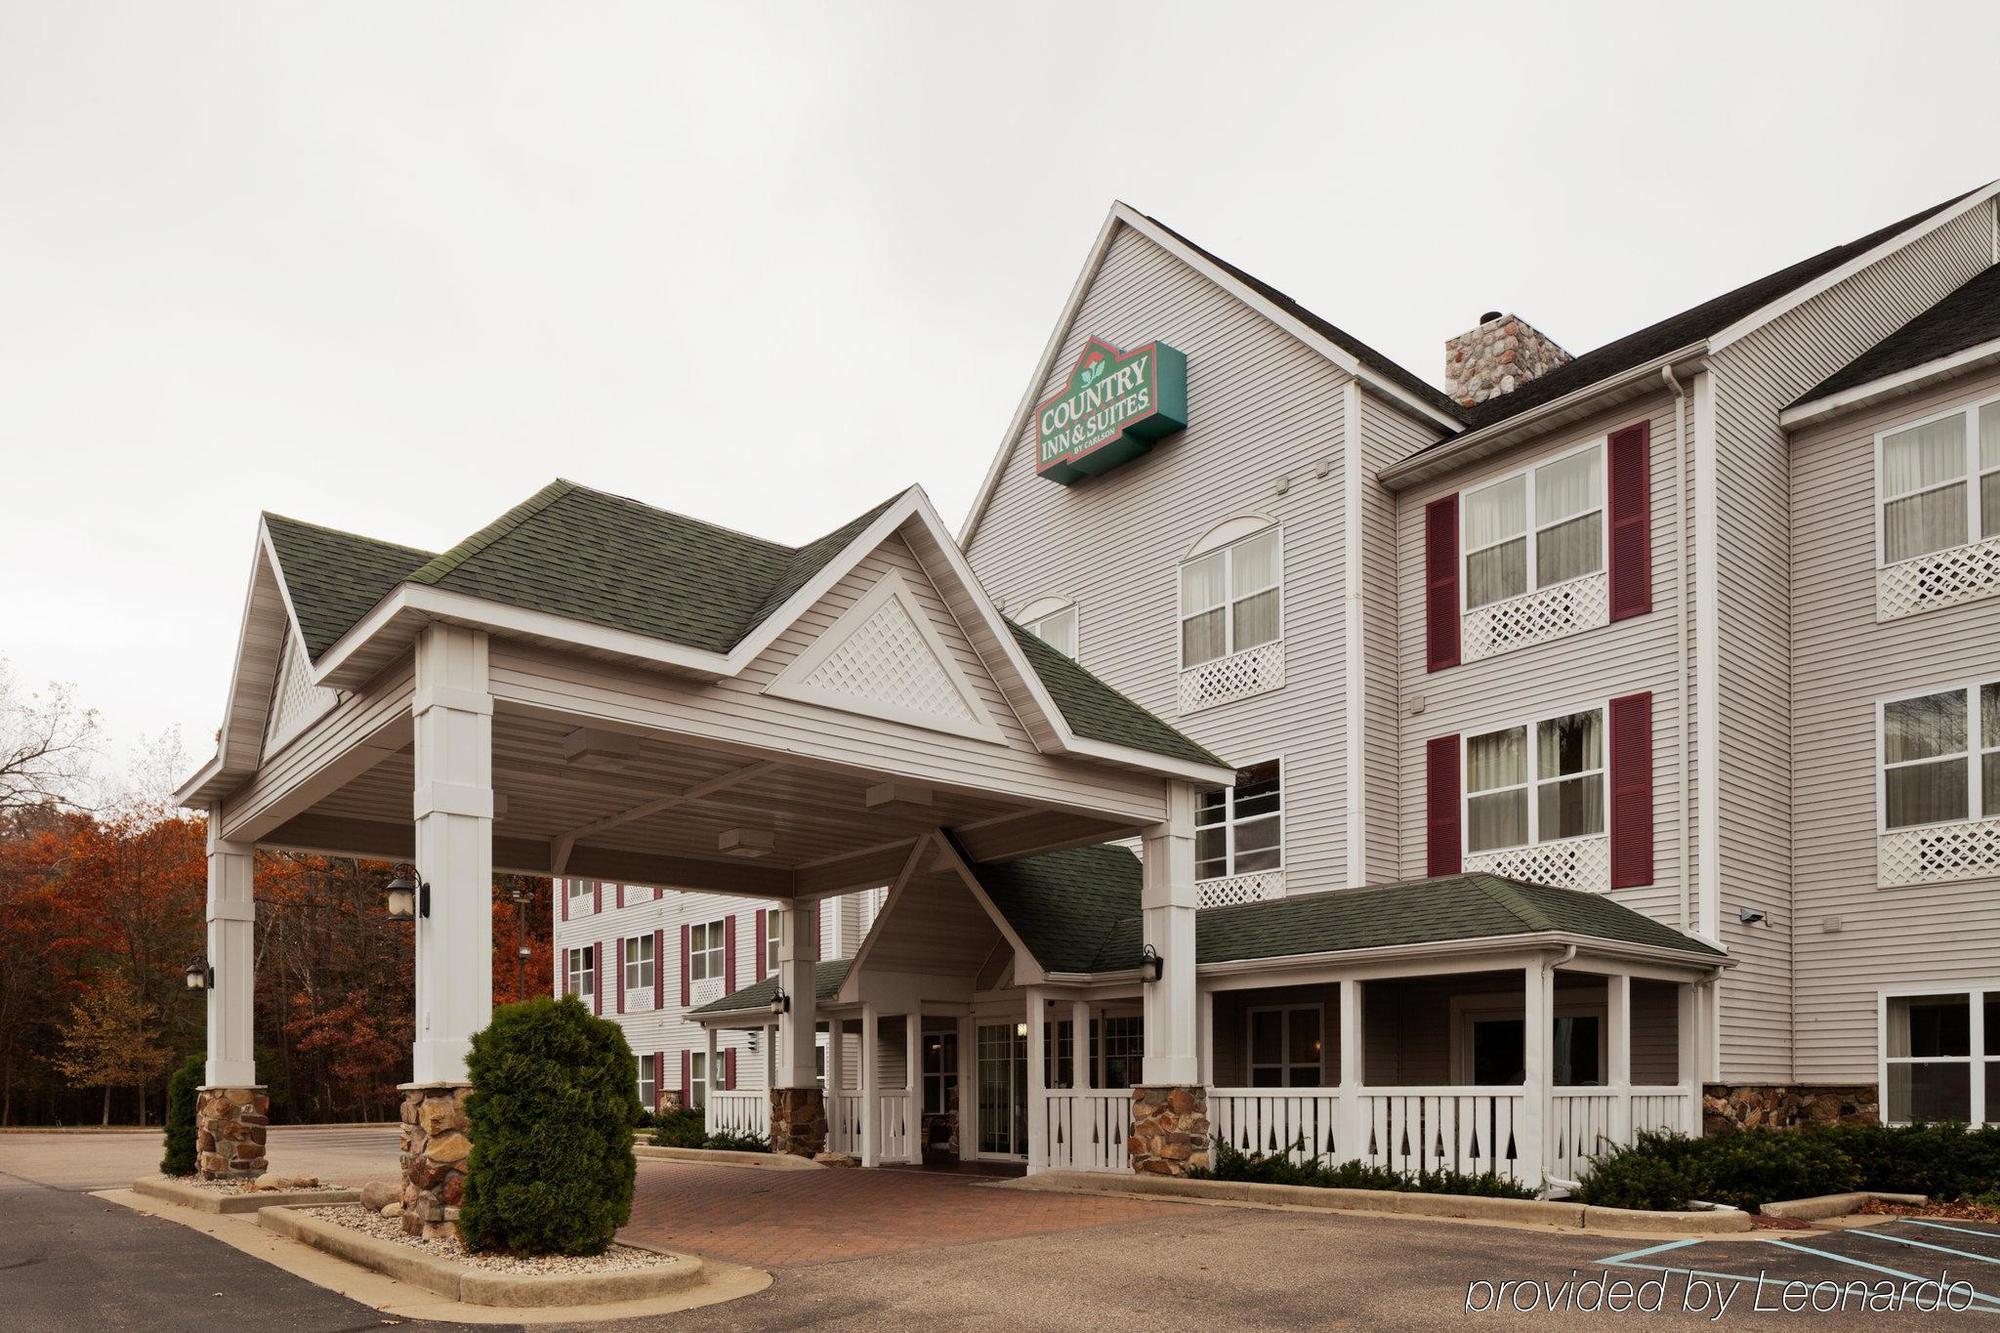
(1116, 406)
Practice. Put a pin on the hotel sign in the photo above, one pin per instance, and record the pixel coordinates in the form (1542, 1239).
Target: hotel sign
(1114, 407)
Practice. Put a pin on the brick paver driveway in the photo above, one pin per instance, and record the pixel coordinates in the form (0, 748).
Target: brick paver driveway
(794, 1219)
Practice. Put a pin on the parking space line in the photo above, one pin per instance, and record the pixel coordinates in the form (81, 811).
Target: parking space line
(1875, 1268)
(1641, 1254)
(1940, 1226)
(1922, 1244)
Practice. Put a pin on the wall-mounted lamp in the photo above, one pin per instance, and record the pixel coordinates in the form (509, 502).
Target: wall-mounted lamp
(409, 897)
(200, 976)
(1749, 916)
(1151, 966)
(781, 1003)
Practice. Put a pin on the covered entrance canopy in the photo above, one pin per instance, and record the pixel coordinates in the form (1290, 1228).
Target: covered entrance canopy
(593, 687)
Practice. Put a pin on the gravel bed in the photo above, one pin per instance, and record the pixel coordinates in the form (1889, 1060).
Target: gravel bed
(617, 1259)
(243, 1186)
(1965, 1210)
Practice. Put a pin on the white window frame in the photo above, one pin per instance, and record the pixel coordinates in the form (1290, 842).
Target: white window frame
(1602, 707)
(582, 891)
(771, 940)
(697, 1079)
(580, 972)
(1229, 598)
(1285, 1064)
(1970, 479)
(649, 1083)
(1603, 510)
(1039, 612)
(639, 967)
(1975, 992)
(1468, 1011)
(1973, 756)
(1230, 823)
(707, 949)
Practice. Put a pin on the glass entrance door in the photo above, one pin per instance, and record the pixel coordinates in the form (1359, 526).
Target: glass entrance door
(1003, 1090)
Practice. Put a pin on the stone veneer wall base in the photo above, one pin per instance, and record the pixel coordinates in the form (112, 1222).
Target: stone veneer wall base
(1728, 1107)
(798, 1121)
(229, 1128)
(1170, 1131)
(435, 1148)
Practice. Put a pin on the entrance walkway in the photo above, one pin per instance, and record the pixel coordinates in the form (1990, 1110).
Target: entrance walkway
(796, 1219)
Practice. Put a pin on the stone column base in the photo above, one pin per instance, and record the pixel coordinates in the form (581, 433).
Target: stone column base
(229, 1125)
(798, 1121)
(435, 1148)
(1169, 1129)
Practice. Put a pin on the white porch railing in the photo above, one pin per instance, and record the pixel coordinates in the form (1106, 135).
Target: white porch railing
(1472, 1130)
(738, 1113)
(843, 1122)
(1674, 1108)
(896, 1126)
(1089, 1130)
(1585, 1122)
(1301, 1123)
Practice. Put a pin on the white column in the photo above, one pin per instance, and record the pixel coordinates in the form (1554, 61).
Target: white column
(968, 1075)
(453, 808)
(1038, 1085)
(1081, 1074)
(870, 1083)
(836, 1066)
(1353, 1072)
(1618, 1046)
(913, 1083)
(1167, 904)
(232, 953)
(1204, 1037)
(770, 1044)
(709, 1080)
(1537, 1013)
(1688, 1066)
(798, 952)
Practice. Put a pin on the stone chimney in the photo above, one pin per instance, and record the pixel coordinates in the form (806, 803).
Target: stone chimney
(1499, 356)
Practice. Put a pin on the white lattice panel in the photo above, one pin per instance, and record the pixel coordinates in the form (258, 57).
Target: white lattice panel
(1256, 670)
(1939, 854)
(1942, 578)
(295, 700)
(886, 660)
(1537, 617)
(1573, 863)
(1251, 888)
(705, 991)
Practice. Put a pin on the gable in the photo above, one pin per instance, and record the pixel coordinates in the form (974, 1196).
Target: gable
(296, 703)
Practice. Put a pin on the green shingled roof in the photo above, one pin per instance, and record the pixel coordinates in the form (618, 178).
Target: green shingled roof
(335, 577)
(1096, 711)
(827, 976)
(1078, 911)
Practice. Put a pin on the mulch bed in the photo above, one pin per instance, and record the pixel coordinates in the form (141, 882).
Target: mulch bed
(1963, 1210)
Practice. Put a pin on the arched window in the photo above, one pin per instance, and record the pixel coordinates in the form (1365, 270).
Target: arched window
(1053, 621)
(1231, 597)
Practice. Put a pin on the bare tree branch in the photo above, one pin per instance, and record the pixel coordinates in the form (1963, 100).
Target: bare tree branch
(45, 745)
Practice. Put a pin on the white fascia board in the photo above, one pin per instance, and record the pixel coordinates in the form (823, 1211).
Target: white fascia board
(1494, 944)
(1888, 386)
(850, 985)
(1798, 296)
(1027, 968)
(191, 791)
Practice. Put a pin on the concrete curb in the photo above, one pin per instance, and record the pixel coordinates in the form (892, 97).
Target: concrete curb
(463, 1282)
(214, 1201)
(1449, 1206)
(763, 1161)
(1823, 1206)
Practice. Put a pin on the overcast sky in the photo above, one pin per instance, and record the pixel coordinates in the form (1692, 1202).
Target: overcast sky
(391, 267)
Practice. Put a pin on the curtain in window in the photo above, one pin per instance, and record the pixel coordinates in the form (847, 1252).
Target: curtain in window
(1204, 634)
(1916, 732)
(1058, 631)
(1989, 466)
(1930, 1076)
(1915, 460)
(1499, 819)
(1565, 745)
(1989, 710)
(1496, 524)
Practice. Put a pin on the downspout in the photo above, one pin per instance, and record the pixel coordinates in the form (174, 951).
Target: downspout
(1681, 634)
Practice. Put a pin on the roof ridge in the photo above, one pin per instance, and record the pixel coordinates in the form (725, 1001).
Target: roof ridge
(445, 563)
(268, 514)
(1507, 893)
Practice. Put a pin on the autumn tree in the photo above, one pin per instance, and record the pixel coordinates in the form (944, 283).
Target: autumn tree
(112, 1039)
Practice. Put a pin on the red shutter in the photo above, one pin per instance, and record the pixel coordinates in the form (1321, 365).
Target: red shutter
(659, 1080)
(763, 944)
(1631, 791)
(1631, 507)
(618, 968)
(1441, 583)
(687, 1078)
(659, 969)
(1441, 805)
(729, 954)
(597, 898)
(729, 1069)
(621, 895)
(597, 966)
(562, 891)
(687, 982)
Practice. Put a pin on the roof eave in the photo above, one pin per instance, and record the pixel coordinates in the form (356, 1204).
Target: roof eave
(1886, 387)
(1530, 941)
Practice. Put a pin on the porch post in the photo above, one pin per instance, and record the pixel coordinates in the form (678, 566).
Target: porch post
(1353, 1107)
(1038, 1087)
(1687, 1031)
(1170, 1124)
(1537, 1012)
(870, 1081)
(836, 1072)
(232, 1109)
(1081, 1074)
(1618, 1042)
(913, 1082)
(798, 1108)
(1204, 1036)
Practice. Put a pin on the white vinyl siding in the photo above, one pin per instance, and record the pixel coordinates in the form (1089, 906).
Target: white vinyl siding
(1230, 599)
(1940, 482)
(1535, 529)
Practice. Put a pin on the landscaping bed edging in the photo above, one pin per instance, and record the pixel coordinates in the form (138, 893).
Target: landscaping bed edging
(1721, 1221)
(768, 1161)
(463, 1282)
(1836, 1205)
(206, 1200)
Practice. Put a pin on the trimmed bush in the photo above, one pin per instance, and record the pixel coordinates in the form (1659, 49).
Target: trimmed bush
(181, 1089)
(679, 1129)
(1233, 1164)
(554, 1097)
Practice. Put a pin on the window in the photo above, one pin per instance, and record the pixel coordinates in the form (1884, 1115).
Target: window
(1941, 757)
(639, 963)
(1940, 483)
(1053, 622)
(1058, 1055)
(1941, 1056)
(582, 970)
(1285, 1047)
(1538, 782)
(1123, 1048)
(705, 951)
(582, 895)
(940, 1072)
(1535, 529)
(648, 1083)
(771, 940)
(1230, 598)
(1576, 1050)
(697, 1079)
(1239, 829)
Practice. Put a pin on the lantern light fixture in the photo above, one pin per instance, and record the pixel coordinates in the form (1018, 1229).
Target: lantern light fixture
(200, 976)
(1151, 966)
(781, 1003)
(408, 896)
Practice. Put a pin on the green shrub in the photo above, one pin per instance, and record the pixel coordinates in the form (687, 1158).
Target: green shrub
(737, 1142)
(1657, 1172)
(550, 1118)
(181, 1089)
(1286, 1169)
(1749, 1170)
(678, 1129)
